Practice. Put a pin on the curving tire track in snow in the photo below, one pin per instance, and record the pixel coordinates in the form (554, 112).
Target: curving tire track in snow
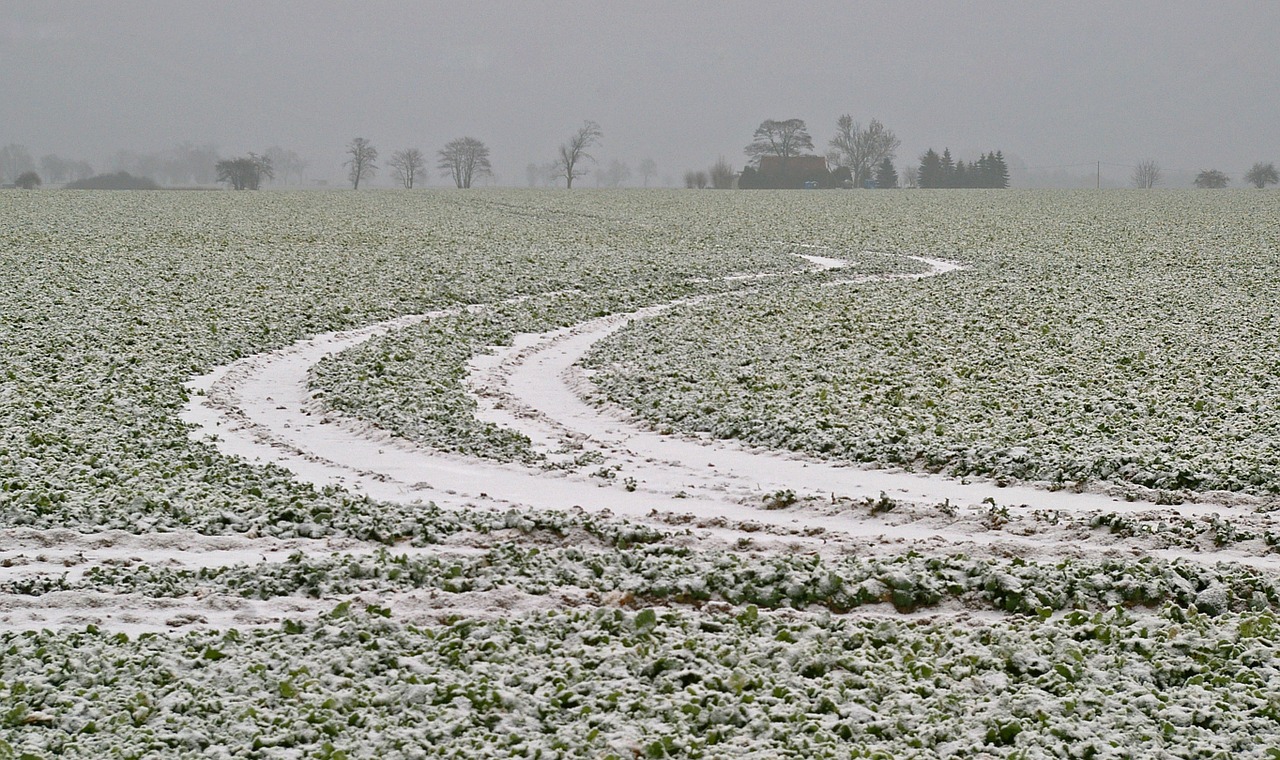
(260, 408)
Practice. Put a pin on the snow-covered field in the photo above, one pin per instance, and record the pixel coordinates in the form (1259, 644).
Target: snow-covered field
(537, 474)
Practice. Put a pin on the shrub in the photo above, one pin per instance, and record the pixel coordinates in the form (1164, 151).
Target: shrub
(117, 181)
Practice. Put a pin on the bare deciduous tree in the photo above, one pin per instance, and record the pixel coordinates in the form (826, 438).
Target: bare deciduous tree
(58, 170)
(574, 152)
(188, 163)
(54, 168)
(1146, 174)
(463, 160)
(909, 178)
(139, 164)
(616, 174)
(14, 160)
(541, 174)
(861, 149)
(550, 174)
(361, 164)
(696, 180)
(721, 175)
(1260, 175)
(81, 170)
(407, 164)
(288, 164)
(648, 168)
(784, 139)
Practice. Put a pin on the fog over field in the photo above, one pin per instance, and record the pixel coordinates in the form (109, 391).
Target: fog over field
(1056, 87)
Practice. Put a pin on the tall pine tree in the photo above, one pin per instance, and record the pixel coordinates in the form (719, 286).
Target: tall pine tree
(982, 171)
(930, 174)
(999, 171)
(948, 169)
(886, 175)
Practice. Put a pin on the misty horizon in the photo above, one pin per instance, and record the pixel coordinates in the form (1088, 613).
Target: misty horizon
(1058, 89)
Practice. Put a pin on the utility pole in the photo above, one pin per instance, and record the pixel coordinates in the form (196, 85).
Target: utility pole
(1097, 177)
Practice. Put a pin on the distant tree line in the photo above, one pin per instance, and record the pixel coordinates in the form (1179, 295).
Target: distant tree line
(463, 160)
(940, 171)
(60, 170)
(17, 163)
(466, 159)
(1259, 175)
(782, 155)
(113, 181)
(186, 164)
(17, 168)
(617, 173)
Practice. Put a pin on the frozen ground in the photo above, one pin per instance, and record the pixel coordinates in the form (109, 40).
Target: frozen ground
(726, 495)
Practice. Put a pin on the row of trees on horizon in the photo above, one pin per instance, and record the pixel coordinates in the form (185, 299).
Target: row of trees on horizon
(463, 160)
(781, 155)
(185, 164)
(1259, 175)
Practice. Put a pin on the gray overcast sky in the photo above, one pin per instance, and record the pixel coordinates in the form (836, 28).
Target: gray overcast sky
(1190, 84)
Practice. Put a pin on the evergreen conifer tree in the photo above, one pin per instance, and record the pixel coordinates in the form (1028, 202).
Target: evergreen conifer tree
(999, 171)
(930, 174)
(886, 175)
(948, 169)
(982, 171)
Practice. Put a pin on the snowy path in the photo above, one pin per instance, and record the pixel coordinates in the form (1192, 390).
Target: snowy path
(260, 408)
(533, 386)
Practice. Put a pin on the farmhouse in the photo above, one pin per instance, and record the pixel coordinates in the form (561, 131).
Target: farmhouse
(795, 172)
